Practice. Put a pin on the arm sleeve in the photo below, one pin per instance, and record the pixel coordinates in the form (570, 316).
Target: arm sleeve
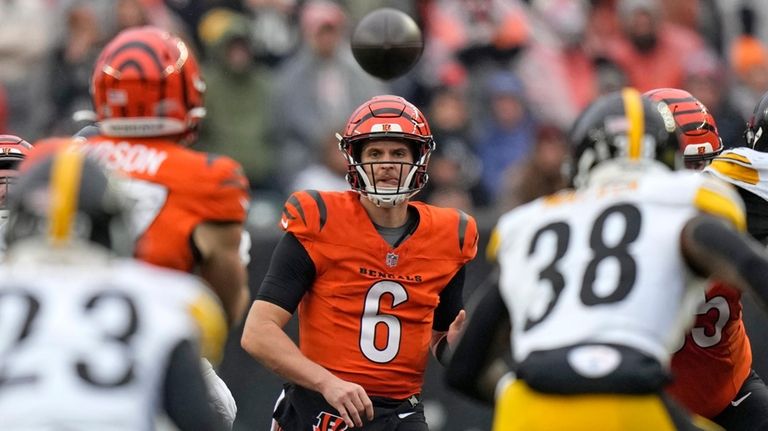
(290, 274)
(476, 348)
(451, 302)
(712, 248)
(185, 396)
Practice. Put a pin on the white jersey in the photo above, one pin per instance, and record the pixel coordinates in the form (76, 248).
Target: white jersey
(86, 346)
(604, 265)
(743, 167)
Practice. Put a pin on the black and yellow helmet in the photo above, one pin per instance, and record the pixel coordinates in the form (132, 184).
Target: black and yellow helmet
(622, 125)
(65, 197)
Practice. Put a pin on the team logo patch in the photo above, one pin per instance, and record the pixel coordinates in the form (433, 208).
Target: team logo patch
(329, 422)
(391, 259)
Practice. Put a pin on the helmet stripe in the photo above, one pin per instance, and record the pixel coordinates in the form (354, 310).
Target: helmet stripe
(633, 108)
(65, 186)
(142, 46)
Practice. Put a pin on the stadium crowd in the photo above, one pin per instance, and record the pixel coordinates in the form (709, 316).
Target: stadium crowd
(503, 80)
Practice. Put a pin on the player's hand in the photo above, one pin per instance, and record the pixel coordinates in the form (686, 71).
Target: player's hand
(456, 328)
(349, 399)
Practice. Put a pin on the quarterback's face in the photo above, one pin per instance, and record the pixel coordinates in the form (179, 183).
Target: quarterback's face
(385, 162)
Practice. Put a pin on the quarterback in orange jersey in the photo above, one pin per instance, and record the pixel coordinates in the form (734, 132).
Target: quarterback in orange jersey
(712, 371)
(377, 281)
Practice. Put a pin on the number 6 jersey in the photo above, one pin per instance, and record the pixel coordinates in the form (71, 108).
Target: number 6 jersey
(603, 264)
(369, 312)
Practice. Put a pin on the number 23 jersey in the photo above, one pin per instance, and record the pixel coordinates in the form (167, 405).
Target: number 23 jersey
(368, 315)
(88, 346)
(604, 265)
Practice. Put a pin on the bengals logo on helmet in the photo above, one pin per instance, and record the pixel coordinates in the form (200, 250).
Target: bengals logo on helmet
(329, 422)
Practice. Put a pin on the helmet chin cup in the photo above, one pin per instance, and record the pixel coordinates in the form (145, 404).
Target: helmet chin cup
(388, 200)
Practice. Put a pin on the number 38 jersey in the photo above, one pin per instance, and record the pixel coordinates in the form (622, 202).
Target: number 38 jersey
(368, 315)
(87, 346)
(603, 264)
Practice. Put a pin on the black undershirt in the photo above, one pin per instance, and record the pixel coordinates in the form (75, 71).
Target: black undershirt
(291, 274)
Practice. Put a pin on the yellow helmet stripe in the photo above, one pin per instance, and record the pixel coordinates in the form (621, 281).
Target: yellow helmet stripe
(633, 108)
(65, 186)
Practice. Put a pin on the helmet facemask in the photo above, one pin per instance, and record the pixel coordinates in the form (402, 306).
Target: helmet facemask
(411, 176)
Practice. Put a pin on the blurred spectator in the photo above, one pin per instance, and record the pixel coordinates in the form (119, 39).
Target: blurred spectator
(273, 29)
(328, 171)
(539, 174)
(749, 61)
(506, 134)
(452, 197)
(705, 79)
(472, 37)
(454, 164)
(130, 13)
(474, 31)
(25, 40)
(651, 51)
(185, 15)
(317, 87)
(701, 16)
(71, 66)
(237, 97)
(559, 74)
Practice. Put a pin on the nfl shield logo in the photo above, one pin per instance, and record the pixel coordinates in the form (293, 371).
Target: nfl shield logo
(391, 259)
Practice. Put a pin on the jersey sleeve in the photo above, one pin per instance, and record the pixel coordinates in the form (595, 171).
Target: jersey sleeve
(304, 214)
(734, 168)
(720, 199)
(228, 196)
(468, 236)
(211, 323)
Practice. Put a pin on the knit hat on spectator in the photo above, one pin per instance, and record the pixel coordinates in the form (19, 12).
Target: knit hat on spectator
(747, 52)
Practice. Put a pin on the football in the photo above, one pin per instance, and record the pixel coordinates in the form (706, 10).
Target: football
(387, 43)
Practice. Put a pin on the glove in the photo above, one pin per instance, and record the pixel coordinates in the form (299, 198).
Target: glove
(219, 394)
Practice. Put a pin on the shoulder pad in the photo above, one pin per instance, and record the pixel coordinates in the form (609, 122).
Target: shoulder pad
(304, 212)
(720, 199)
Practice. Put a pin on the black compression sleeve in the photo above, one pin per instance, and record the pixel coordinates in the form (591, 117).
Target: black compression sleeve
(290, 274)
(713, 248)
(185, 396)
(451, 302)
(474, 350)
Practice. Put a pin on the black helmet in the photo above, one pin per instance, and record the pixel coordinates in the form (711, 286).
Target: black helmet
(622, 125)
(755, 134)
(66, 197)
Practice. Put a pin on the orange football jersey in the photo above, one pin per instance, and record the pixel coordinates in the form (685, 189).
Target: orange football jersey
(716, 358)
(368, 315)
(174, 189)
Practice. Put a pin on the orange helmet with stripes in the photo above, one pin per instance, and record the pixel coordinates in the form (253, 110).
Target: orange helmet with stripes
(13, 150)
(626, 127)
(392, 118)
(147, 82)
(696, 127)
